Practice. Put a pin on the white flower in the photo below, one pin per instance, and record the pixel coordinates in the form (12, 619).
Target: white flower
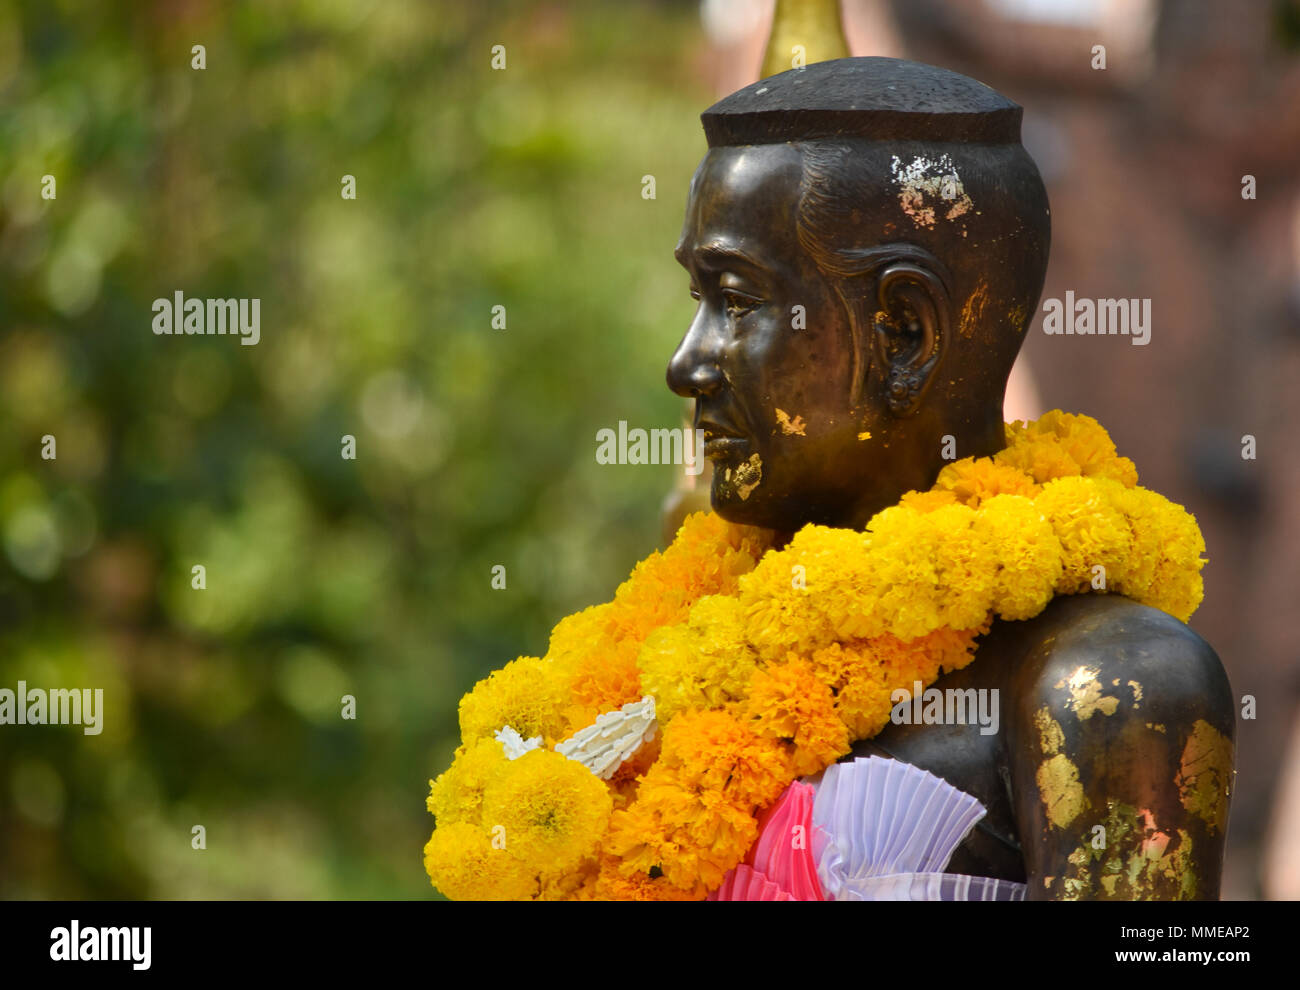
(514, 744)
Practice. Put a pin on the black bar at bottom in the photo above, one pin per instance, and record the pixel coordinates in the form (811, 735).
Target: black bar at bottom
(446, 942)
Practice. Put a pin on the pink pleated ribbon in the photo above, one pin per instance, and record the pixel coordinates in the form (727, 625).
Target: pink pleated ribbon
(782, 864)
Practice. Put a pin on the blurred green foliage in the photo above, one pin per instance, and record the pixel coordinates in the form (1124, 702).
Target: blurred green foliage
(475, 446)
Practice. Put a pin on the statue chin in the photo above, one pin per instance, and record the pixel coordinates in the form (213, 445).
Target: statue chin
(783, 514)
(750, 511)
(740, 513)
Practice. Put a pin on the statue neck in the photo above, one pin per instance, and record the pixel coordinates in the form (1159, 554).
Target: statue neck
(920, 462)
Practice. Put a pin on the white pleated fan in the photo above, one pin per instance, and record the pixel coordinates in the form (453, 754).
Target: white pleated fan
(888, 819)
(615, 736)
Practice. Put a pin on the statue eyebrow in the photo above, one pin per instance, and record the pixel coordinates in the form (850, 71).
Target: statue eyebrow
(716, 256)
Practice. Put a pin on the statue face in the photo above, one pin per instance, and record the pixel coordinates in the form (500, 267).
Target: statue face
(773, 399)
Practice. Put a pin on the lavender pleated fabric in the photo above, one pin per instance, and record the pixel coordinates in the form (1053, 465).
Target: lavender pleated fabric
(892, 828)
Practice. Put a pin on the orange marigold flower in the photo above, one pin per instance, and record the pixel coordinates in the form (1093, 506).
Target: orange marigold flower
(789, 702)
(610, 884)
(706, 558)
(715, 751)
(602, 680)
(872, 669)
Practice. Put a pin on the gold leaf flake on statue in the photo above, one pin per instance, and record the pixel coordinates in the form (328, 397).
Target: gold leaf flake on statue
(748, 476)
(615, 736)
(790, 426)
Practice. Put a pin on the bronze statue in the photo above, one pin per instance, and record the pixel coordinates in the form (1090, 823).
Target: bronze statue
(868, 239)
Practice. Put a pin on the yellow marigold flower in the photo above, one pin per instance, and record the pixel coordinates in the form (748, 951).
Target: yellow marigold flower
(464, 866)
(924, 502)
(1064, 444)
(573, 636)
(682, 838)
(1091, 530)
(523, 694)
(975, 479)
(457, 794)
(1028, 552)
(1043, 460)
(568, 886)
(702, 663)
(1119, 469)
(553, 810)
(596, 658)
(933, 570)
(749, 541)
(940, 652)
(966, 566)
(1015, 431)
(788, 702)
(837, 664)
(1138, 572)
(796, 597)
(1164, 568)
(1082, 437)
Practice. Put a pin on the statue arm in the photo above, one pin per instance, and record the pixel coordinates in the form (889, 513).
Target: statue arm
(1121, 756)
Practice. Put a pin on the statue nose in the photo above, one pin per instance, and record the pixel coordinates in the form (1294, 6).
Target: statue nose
(694, 370)
(692, 374)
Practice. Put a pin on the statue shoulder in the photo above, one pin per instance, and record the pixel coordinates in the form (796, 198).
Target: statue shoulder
(1120, 737)
(1108, 656)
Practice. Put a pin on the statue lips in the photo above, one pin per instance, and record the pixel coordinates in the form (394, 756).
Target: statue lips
(721, 442)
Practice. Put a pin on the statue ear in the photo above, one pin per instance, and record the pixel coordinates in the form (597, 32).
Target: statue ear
(911, 329)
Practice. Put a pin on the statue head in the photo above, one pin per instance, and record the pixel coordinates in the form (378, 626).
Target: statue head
(867, 239)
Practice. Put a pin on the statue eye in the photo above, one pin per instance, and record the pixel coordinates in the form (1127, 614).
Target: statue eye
(695, 293)
(738, 304)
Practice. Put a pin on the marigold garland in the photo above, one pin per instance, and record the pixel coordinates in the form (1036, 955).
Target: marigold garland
(766, 665)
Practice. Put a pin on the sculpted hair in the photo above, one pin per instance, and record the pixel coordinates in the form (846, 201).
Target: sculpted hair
(889, 99)
(1005, 231)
